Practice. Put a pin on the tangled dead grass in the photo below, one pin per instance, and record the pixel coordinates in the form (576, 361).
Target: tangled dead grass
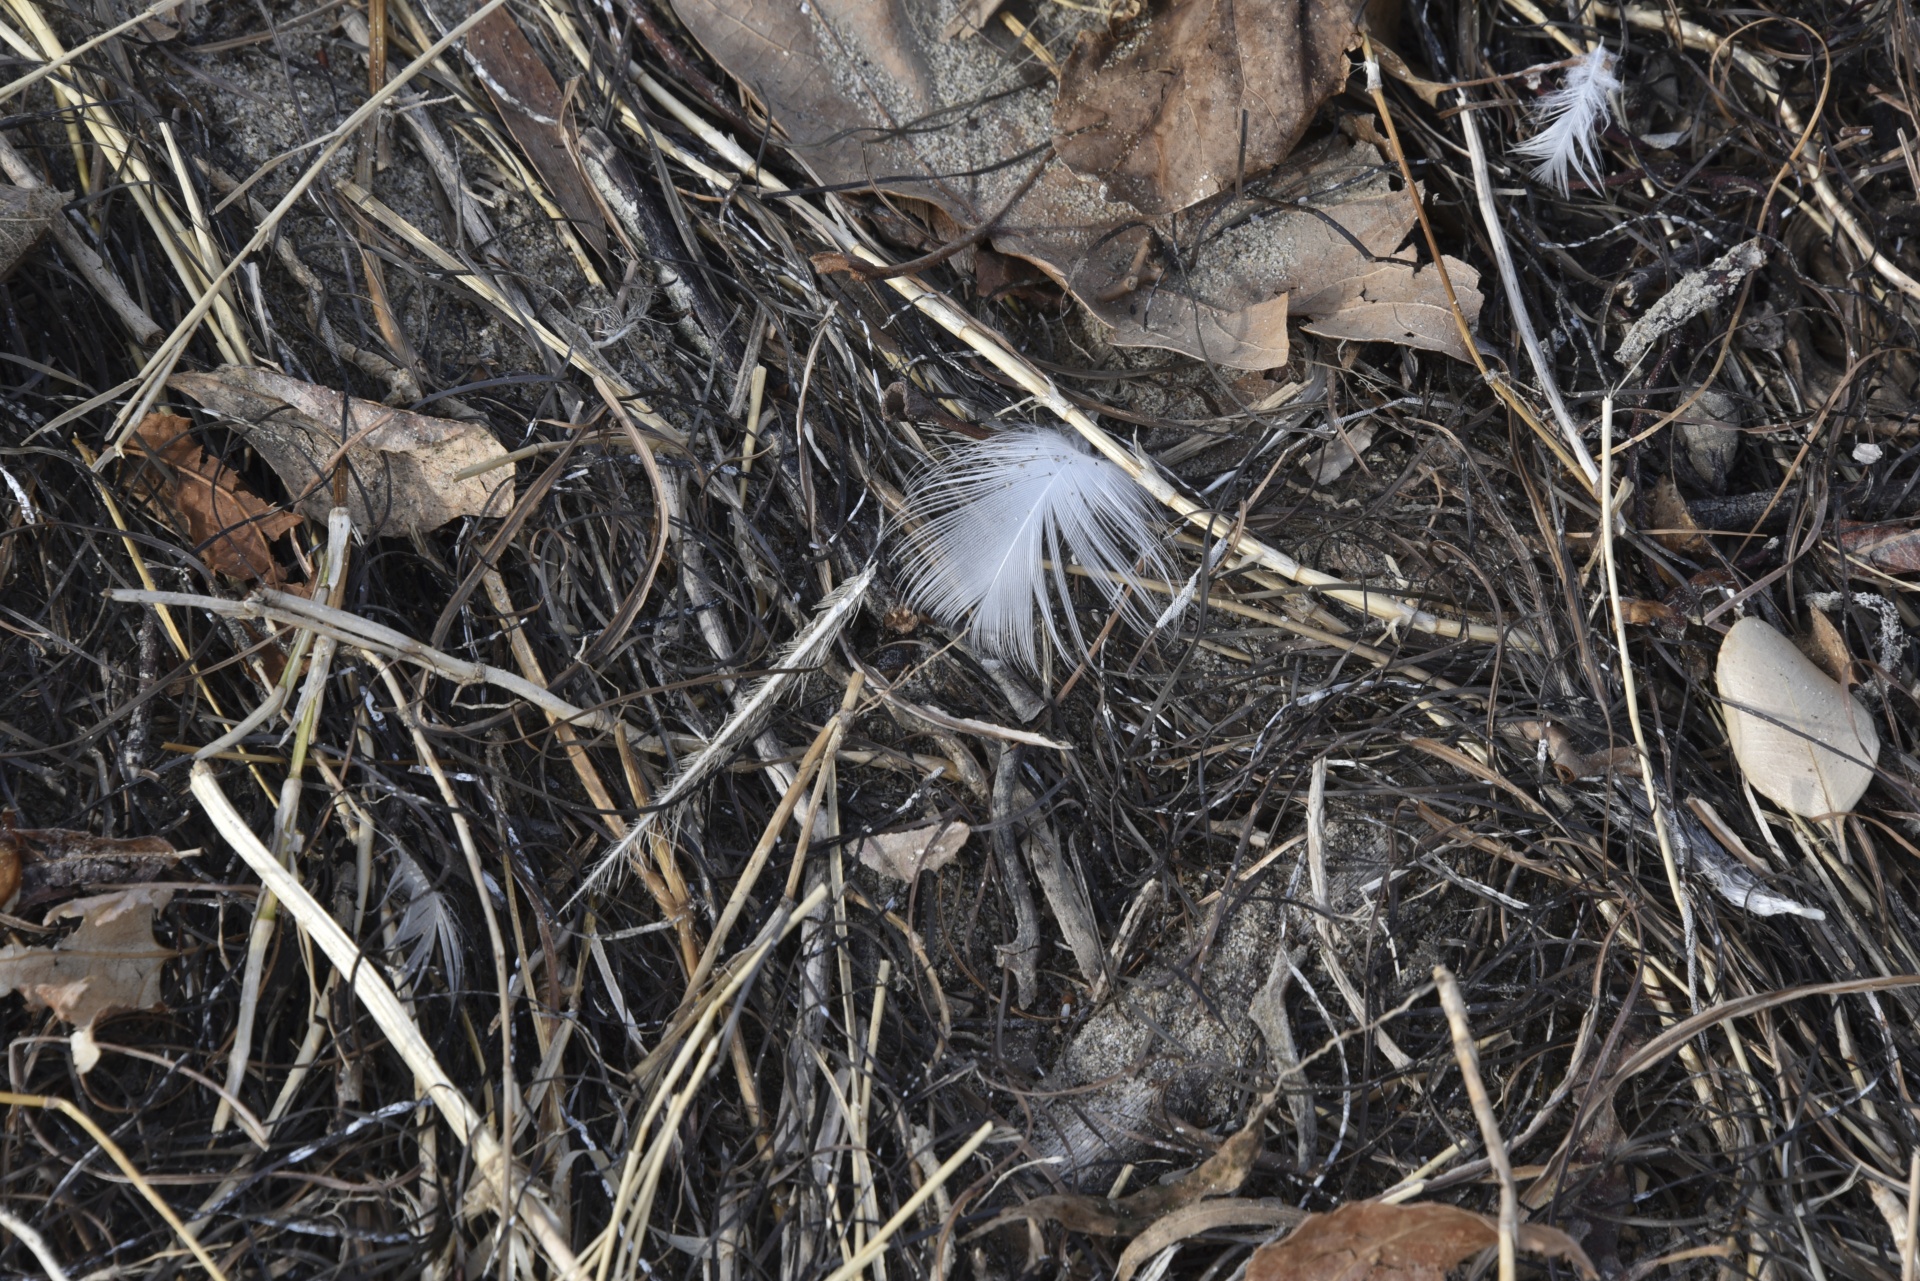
(1417, 715)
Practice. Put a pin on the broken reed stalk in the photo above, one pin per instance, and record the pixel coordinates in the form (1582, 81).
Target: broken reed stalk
(516, 1193)
(36, 1244)
(1516, 303)
(1468, 1057)
(741, 970)
(330, 582)
(824, 742)
(47, 68)
(290, 610)
(1625, 663)
(406, 709)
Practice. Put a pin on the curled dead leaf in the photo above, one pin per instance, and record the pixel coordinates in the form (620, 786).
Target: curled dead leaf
(1213, 90)
(1800, 738)
(905, 855)
(1671, 522)
(188, 489)
(111, 962)
(1373, 1241)
(405, 469)
(873, 96)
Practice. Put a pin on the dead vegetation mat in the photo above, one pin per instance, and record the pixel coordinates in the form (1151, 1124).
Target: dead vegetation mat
(479, 803)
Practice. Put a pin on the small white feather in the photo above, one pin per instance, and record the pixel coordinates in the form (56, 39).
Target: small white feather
(427, 925)
(1571, 117)
(991, 514)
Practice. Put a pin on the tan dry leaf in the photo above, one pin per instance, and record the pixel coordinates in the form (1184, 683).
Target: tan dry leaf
(1372, 1241)
(402, 466)
(111, 962)
(1672, 523)
(190, 490)
(1214, 91)
(1803, 741)
(1392, 304)
(869, 94)
(1332, 460)
(1829, 649)
(904, 855)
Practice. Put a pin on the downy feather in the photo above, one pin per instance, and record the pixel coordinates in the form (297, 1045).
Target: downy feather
(1571, 117)
(993, 513)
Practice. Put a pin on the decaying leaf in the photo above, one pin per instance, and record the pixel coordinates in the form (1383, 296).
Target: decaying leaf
(1635, 612)
(187, 488)
(1802, 740)
(1570, 762)
(111, 962)
(1671, 522)
(521, 86)
(1373, 1241)
(904, 855)
(1892, 549)
(404, 469)
(1710, 433)
(1829, 648)
(26, 214)
(1331, 461)
(871, 95)
(1215, 90)
(50, 860)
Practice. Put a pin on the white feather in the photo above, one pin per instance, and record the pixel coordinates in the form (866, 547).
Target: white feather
(1570, 119)
(427, 925)
(992, 513)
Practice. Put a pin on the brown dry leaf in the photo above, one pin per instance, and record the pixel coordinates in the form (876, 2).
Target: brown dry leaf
(522, 87)
(1389, 304)
(404, 468)
(1216, 89)
(1892, 549)
(189, 489)
(1800, 738)
(1829, 649)
(1573, 764)
(1372, 1241)
(1672, 524)
(1652, 613)
(869, 94)
(111, 962)
(50, 860)
(904, 855)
